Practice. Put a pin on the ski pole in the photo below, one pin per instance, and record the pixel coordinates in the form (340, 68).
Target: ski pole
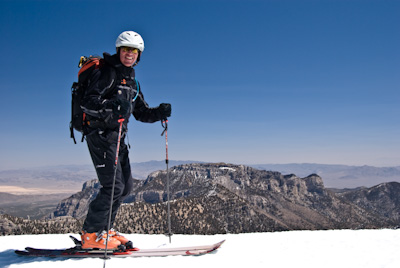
(164, 124)
(120, 121)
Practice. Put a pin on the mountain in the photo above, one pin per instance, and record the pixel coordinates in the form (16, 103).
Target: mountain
(382, 200)
(140, 170)
(226, 198)
(339, 176)
(77, 205)
(69, 178)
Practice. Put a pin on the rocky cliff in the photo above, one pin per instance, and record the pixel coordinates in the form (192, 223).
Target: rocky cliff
(382, 200)
(219, 198)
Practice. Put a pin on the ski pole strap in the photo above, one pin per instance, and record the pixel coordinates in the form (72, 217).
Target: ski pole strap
(164, 124)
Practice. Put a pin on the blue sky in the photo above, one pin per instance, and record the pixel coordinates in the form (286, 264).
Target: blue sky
(249, 81)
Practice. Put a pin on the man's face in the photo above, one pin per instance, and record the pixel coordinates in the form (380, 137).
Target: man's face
(128, 55)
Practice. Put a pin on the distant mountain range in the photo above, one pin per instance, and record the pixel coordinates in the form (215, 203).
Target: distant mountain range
(339, 176)
(70, 178)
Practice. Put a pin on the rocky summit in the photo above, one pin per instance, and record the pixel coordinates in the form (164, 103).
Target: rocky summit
(225, 198)
(220, 198)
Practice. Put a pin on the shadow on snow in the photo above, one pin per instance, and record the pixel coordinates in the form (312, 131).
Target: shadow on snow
(9, 257)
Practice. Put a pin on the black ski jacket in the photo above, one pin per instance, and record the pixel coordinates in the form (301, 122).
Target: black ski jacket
(107, 84)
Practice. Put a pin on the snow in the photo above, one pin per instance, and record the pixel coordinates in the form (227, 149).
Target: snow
(335, 248)
(227, 168)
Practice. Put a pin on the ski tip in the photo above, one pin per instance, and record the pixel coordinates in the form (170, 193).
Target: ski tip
(220, 243)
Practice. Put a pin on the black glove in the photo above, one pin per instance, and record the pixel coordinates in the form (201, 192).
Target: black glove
(165, 110)
(121, 107)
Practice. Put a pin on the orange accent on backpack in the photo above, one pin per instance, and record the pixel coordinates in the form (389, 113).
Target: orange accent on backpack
(89, 64)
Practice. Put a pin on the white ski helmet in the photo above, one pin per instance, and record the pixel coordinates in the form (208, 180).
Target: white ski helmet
(130, 39)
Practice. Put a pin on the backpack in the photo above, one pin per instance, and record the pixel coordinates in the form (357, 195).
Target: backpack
(87, 65)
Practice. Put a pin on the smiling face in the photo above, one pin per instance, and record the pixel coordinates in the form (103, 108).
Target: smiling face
(128, 56)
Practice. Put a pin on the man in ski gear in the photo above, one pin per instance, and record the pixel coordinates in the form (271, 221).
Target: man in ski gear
(113, 93)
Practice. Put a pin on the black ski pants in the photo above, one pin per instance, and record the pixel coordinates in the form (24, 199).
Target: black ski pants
(103, 147)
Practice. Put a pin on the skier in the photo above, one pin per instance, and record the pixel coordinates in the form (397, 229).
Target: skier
(113, 93)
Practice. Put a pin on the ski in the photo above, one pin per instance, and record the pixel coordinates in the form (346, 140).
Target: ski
(78, 252)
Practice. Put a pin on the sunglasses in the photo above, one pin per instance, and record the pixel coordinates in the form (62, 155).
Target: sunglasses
(130, 49)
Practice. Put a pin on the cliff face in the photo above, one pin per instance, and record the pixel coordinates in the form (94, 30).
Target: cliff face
(77, 205)
(219, 198)
(382, 200)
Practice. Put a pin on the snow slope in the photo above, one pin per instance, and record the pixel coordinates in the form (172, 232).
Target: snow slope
(337, 248)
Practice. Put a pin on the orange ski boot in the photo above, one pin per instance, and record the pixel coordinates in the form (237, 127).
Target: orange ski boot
(98, 240)
(124, 241)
